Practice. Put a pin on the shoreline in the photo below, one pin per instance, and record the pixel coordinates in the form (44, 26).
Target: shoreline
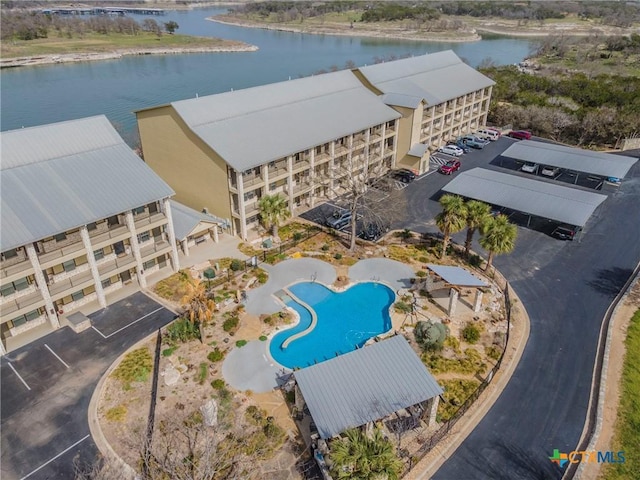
(471, 36)
(54, 59)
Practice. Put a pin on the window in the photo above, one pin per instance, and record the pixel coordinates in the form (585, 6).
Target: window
(92, 226)
(153, 207)
(69, 266)
(98, 254)
(60, 237)
(106, 283)
(149, 264)
(138, 211)
(27, 317)
(111, 221)
(144, 236)
(10, 253)
(77, 296)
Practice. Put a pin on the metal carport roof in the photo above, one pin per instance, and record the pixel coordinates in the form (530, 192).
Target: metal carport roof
(365, 385)
(569, 158)
(533, 197)
(456, 276)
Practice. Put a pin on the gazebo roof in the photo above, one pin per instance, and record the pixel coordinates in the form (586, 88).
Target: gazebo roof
(457, 276)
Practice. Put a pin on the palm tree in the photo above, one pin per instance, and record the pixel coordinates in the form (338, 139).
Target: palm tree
(198, 306)
(366, 458)
(452, 219)
(477, 212)
(498, 236)
(273, 211)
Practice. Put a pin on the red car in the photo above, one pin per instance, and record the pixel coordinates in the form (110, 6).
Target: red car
(449, 167)
(520, 135)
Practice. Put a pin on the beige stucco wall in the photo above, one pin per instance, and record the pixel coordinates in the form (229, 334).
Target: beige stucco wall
(406, 128)
(201, 182)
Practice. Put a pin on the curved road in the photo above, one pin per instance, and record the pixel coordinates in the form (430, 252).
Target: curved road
(566, 288)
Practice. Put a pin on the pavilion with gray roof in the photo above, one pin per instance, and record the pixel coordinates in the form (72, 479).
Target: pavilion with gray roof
(192, 227)
(574, 160)
(532, 197)
(454, 278)
(367, 385)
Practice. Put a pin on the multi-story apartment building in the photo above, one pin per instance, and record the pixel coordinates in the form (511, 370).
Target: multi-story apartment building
(81, 215)
(439, 96)
(301, 138)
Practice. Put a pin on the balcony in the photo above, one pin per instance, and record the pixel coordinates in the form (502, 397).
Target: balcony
(251, 208)
(341, 149)
(277, 169)
(157, 248)
(115, 234)
(322, 158)
(70, 285)
(251, 180)
(151, 221)
(115, 266)
(19, 306)
(302, 186)
(61, 255)
(16, 271)
(301, 165)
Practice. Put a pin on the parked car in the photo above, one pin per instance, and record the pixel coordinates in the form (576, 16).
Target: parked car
(565, 232)
(404, 175)
(520, 134)
(465, 148)
(373, 231)
(451, 150)
(488, 134)
(498, 132)
(450, 167)
(550, 171)
(529, 167)
(474, 142)
(339, 219)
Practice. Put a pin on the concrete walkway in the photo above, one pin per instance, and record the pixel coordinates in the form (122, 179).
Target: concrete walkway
(261, 300)
(251, 368)
(391, 272)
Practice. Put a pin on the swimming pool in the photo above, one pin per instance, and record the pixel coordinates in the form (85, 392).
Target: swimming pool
(346, 321)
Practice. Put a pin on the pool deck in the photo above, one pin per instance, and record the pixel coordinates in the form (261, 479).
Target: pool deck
(251, 367)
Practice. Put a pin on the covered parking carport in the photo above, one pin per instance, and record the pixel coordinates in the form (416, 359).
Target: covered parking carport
(596, 167)
(532, 197)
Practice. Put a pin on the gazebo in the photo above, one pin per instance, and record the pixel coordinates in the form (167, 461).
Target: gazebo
(454, 278)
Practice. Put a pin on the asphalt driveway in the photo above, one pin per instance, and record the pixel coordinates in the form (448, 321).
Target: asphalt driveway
(47, 386)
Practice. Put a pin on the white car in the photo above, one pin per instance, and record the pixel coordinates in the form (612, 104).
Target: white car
(451, 150)
(529, 167)
(550, 171)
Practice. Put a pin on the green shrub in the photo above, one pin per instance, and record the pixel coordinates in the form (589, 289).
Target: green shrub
(254, 415)
(241, 343)
(236, 265)
(263, 338)
(338, 256)
(430, 335)
(403, 307)
(167, 352)
(471, 333)
(475, 260)
(218, 384)
(297, 236)
(471, 363)
(230, 324)
(134, 367)
(216, 355)
(493, 352)
(453, 343)
(325, 247)
(262, 276)
(116, 414)
(203, 372)
(182, 330)
(421, 274)
(456, 392)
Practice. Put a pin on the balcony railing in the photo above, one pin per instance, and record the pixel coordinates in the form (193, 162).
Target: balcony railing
(249, 181)
(110, 268)
(301, 165)
(70, 285)
(158, 247)
(277, 168)
(17, 270)
(251, 208)
(21, 305)
(149, 222)
(60, 255)
(114, 234)
(322, 157)
(301, 186)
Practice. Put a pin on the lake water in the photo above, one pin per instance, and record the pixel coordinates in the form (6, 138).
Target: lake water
(46, 94)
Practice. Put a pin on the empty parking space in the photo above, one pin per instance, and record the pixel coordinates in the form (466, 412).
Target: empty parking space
(34, 369)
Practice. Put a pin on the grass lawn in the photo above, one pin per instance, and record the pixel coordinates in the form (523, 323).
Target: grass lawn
(628, 423)
(99, 43)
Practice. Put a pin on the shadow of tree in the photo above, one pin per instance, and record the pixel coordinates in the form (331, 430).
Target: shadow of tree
(610, 281)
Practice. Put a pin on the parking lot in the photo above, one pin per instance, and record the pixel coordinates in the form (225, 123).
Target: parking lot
(47, 386)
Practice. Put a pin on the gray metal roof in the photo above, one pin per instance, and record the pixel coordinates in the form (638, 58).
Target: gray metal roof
(258, 125)
(60, 176)
(534, 197)
(401, 100)
(365, 385)
(418, 150)
(436, 78)
(570, 158)
(185, 219)
(456, 276)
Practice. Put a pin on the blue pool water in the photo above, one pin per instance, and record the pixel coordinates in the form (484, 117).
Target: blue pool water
(345, 322)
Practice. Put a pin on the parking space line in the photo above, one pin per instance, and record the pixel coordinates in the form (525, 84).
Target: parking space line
(18, 375)
(54, 458)
(127, 326)
(56, 355)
